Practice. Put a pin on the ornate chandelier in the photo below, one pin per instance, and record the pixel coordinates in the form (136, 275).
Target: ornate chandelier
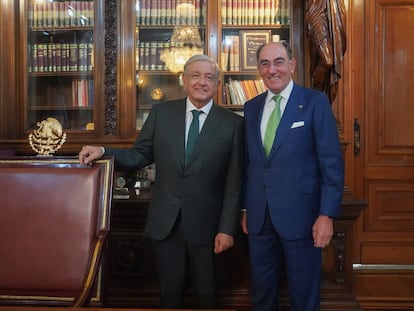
(185, 40)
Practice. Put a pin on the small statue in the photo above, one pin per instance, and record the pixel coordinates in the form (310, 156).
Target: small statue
(326, 28)
(48, 137)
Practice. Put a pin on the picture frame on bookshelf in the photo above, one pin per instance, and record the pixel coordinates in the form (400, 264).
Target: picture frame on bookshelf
(250, 41)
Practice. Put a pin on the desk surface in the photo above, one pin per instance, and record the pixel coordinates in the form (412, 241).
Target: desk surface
(34, 308)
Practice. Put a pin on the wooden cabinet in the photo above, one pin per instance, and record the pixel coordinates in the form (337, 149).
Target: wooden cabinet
(106, 96)
(60, 60)
(169, 32)
(55, 63)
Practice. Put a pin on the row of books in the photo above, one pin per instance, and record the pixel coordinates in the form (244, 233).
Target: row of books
(60, 57)
(170, 12)
(237, 92)
(82, 92)
(60, 13)
(255, 12)
(148, 54)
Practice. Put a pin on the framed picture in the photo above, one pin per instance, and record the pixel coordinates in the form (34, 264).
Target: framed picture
(250, 41)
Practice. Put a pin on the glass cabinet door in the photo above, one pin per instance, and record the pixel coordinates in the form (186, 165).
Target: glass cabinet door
(245, 25)
(60, 63)
(167, 33)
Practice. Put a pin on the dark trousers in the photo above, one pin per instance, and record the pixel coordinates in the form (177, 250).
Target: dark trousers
(269, 254)
(173, 255)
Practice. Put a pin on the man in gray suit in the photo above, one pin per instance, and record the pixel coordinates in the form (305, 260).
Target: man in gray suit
(195, 203)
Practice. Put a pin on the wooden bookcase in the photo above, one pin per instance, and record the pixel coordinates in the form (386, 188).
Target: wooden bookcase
(60, 60)
(119, 91)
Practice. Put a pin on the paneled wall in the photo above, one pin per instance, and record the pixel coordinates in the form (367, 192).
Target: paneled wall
(381, 92)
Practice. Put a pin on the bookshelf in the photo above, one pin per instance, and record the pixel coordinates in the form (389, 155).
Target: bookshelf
(230, 32)
(245, 25)
(60, 62)
(167, 33)
(121, 70)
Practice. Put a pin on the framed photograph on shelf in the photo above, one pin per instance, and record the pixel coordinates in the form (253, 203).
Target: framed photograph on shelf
(250, 41)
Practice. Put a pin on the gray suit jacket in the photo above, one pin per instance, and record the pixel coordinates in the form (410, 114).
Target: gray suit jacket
(207, 189)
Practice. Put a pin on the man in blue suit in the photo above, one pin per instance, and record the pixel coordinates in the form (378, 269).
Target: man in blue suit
(293, 185)
(195, 204)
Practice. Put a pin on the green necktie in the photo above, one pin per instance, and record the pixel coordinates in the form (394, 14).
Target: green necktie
(272, 125)
(192, 133)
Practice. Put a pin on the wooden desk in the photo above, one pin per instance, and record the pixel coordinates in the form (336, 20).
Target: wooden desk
(29, 308)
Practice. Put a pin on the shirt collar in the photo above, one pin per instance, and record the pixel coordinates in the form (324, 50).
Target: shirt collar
(285, 92)
(205, 109)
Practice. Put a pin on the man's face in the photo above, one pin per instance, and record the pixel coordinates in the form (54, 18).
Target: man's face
(275, 67)
(200, 83)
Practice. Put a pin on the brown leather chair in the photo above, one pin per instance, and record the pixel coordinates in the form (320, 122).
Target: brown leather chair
(54, 218)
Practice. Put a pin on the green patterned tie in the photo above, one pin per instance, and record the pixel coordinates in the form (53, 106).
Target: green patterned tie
(192, 133)
(272, 125)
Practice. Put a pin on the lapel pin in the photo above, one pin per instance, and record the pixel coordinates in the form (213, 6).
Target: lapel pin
(300, 106)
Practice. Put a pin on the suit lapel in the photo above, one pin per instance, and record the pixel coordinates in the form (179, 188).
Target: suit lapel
(178, 118)
(294, 108)
(256, 114)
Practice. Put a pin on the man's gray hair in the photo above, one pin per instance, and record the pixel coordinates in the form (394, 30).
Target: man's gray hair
(203, 58)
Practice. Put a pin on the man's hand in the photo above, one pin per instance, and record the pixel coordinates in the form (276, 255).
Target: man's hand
(90, 153)
(243, 222)
(222, 242)
(322, 231)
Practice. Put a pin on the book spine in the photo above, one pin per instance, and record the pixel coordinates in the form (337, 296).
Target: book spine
(141, 55)
(236, 12)
(225, 54)
(224, 12)
(90, 93)
(58, 53)
(66, 13)
(64, 56)
(35, 65)
(90, 56)
(73, 57)
(61, 13)
(83, 56)
(40, 58)
(30, 12)
(163, 12)
(267, 9)
(91, 13)
(147, 55)
(54, 59)
(153, 55)
(236, 54)
(230, 12)
(55, 14)
(168, 12)
(49, 8)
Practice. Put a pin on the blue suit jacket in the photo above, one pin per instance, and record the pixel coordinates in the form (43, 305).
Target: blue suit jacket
(303, 174)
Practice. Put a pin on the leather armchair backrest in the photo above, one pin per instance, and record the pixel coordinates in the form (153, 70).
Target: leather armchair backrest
(53, 219)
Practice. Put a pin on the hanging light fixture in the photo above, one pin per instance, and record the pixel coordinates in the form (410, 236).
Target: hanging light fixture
(185, 39)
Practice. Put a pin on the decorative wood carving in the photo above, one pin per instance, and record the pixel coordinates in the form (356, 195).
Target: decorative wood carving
(326, 28)
(110, 125)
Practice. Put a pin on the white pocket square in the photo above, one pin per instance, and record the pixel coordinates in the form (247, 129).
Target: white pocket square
(297, 124)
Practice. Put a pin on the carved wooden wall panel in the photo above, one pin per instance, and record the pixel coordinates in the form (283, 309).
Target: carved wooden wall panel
(385, 233)
(390, 80)
(389, 114)
(393, 202)
(7, 72)
(400, 252)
